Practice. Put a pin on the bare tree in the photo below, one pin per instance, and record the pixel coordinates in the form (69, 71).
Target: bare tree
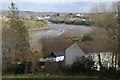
(108, 22)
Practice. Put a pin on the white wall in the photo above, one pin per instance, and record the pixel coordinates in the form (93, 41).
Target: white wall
(106, 59)
(60, 58)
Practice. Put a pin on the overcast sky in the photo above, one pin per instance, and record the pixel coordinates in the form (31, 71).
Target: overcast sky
(69, 6)
(64, 1)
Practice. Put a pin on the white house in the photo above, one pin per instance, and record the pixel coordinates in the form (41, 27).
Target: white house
(29, 17)
(59, 55)
(40, 18)
(47, 17)
(79, 15)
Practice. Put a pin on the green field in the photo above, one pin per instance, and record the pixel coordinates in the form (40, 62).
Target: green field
(38, 22)
(30, 24)
(0, 77)
(33, 23)
(36, 25)
(48, 77)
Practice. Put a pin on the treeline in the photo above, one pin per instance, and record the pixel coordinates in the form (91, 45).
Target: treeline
(69, 20)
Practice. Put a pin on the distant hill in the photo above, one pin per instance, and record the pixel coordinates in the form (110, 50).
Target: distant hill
(4, 12)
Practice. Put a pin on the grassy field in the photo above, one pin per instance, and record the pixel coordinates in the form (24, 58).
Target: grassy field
(30, 24)
(48, 77)
(0, 77)
(38, 22)
(33, 25)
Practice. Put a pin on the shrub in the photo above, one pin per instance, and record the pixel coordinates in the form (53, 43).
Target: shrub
(14, 69)
(78, 67)
(84, 66)
(53, 67)
(89, 64)
(87, 38)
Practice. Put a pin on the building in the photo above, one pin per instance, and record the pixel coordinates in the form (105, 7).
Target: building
(59, 55)
(29, 17)
(79, 15)
(72, 53)
(47, 17)
(40, 18)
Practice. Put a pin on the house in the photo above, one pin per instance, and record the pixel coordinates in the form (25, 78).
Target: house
(79, 15)
(70, 55)
(59, 55)
(29, 17)
(47, 17)
(3, 16)
(40, 18)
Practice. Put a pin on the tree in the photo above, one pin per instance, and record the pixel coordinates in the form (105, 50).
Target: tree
(58, 14)
(114, 7)
(16, 39)
(108, 22)
(17, 25)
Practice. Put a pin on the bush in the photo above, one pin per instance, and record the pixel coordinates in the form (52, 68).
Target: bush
(53, 67)
(89, 67)
(108, 73)
(87, 38)
(78, 67)
(89, 64)
(84, 67)
(14, 69)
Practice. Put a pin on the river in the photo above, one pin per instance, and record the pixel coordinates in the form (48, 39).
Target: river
(56, 30)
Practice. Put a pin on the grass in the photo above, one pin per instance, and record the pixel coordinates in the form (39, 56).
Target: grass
(31, 24)
(36, 25)
(72, 19)
(0, 77)
(52, 77)
(76, 39)
(38, 22)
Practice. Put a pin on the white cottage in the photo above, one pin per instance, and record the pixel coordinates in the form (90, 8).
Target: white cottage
(72, 53)
(59, 55)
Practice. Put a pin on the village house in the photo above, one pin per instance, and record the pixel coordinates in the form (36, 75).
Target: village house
(40, 18)
(79, 15)
(29, 17)
(70, 55)
(59, 55)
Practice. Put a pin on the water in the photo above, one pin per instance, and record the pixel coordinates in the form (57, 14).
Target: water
(57, 30)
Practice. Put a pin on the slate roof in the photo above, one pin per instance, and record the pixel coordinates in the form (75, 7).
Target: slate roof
(58, 53)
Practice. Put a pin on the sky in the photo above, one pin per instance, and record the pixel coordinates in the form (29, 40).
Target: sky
(63, 1)
(67, 6)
